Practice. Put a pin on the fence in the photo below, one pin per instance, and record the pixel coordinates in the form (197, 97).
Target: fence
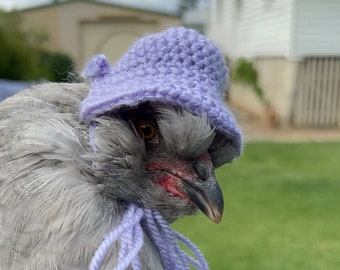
(317, 93)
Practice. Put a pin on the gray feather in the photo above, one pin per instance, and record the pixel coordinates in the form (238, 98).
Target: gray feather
(52, 216)
(59, 197)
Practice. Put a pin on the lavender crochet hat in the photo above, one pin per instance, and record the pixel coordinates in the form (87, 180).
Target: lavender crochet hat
(178, 66)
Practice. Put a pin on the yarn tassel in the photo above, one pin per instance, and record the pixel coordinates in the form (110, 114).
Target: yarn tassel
(130, 233)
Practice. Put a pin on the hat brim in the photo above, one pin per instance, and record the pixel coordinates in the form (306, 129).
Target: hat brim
(132, 94)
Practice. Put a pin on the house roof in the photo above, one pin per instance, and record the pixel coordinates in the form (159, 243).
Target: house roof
(96, 2)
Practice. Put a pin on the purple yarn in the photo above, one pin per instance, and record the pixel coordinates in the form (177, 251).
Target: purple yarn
(201, 262)
(178, 66)
(131, 235)
(131, 243)
(98, 67)
(130, 231)
(165, 240)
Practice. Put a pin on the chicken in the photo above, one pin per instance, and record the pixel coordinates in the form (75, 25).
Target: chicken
(146, 132)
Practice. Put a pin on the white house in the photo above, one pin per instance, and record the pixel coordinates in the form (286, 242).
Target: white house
(295, 46)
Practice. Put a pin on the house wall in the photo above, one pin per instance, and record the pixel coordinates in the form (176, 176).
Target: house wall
(71, 24)
(219, 24)
(101, 37)
(277, 79)
(259, 30)
(251, 28)
(276, 35)
(317, 28)
(45, 21)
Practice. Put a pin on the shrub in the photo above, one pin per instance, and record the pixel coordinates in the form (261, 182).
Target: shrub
(58, 67)
(17, 62)
(245, 73)
(23, 57)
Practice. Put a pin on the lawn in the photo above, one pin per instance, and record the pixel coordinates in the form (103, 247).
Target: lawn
(282, 210)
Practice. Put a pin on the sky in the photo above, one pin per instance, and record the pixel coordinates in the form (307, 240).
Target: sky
(159, 5)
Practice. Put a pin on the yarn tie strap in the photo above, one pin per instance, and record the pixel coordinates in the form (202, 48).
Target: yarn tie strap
(130, 233)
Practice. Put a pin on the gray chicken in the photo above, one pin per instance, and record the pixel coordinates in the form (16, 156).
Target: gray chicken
(147, 132)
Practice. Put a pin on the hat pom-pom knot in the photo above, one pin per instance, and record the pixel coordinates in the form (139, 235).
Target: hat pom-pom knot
(97, 66)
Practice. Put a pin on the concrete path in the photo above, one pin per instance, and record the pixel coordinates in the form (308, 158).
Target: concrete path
(255, 129)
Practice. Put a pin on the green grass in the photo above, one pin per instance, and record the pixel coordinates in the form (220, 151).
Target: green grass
(282, 210)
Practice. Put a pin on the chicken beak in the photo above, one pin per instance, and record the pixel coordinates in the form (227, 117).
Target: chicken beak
(205, 192)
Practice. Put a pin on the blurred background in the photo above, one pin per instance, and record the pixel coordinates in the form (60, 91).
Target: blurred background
(284, 55)
(283, 195)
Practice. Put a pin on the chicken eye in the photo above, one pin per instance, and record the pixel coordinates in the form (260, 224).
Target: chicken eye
(146, 130)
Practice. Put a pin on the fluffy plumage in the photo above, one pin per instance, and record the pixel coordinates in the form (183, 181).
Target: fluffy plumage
(59, 197)
(73, 159)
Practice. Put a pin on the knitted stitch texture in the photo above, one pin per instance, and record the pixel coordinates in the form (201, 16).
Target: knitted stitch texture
(178, 67)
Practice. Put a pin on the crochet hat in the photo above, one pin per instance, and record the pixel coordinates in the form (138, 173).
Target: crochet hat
(178, 67)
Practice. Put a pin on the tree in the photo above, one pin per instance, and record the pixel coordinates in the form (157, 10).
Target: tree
(58, 67)
(17, 60)
(22, 55)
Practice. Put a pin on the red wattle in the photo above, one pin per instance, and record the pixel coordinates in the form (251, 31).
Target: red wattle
(169, 183)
